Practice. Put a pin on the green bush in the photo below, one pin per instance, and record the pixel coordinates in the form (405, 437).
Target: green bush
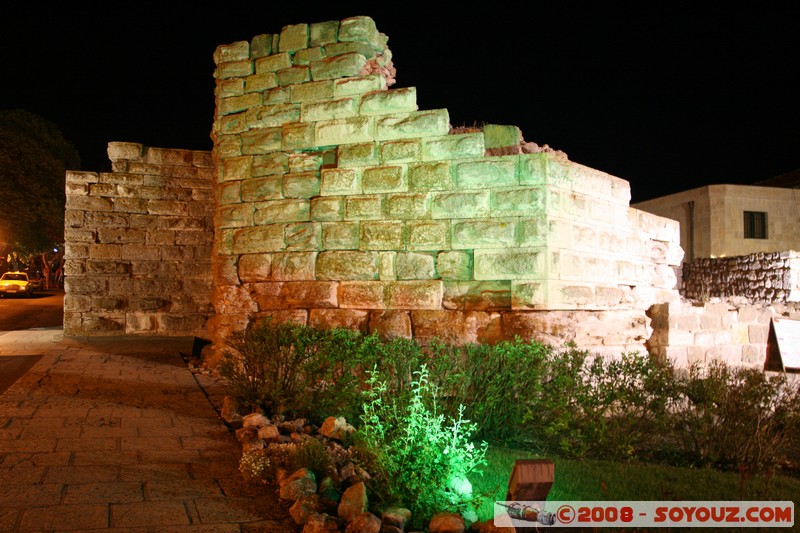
(563, 401)
(420, 462)
(736, 418)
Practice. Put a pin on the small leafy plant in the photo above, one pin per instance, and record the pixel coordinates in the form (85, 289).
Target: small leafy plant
(421, 461)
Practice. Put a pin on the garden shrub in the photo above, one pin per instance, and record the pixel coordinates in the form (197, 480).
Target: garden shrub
(419, 460)
(562, 401)
(736, 417)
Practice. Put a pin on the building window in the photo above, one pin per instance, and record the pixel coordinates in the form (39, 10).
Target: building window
(755, 225)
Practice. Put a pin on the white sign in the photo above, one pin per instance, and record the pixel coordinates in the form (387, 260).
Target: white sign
(787, 340)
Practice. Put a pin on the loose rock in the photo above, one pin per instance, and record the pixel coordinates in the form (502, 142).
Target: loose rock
(446, 523)
(299, 484)
(354, 502)
(321, 523)
(366, 523)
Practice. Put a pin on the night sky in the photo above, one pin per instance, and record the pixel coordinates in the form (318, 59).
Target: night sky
(668, 98)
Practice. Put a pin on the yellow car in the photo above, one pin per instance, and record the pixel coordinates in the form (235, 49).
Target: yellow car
(16, 283)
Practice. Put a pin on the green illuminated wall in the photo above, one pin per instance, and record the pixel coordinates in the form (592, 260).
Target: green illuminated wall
(339, 202)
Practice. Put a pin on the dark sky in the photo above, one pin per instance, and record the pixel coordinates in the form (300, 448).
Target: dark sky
(663, 95)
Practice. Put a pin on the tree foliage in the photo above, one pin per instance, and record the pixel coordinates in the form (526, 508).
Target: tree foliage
(34, 158)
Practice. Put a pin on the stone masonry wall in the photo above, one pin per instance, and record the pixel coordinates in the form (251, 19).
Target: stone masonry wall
(733, 331)
(339, 203)
(138, 244)
(764, 277)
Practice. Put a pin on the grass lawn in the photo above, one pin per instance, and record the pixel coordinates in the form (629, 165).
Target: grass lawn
(587, 480)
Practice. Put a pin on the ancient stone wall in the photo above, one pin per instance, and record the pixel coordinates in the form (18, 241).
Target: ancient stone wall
(764, 277)
(339, 203)
(138, 244)
(733, 331)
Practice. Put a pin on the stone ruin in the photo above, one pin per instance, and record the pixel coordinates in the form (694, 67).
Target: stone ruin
(337, 202)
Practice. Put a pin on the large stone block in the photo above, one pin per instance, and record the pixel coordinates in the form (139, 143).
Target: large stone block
(406, 206)
(258, 240)
(409, 125)
(293, 266)
(303, 236)
(273, 62)
(301, 185)
(381, 235)
(486, 173)
(491, 233)
(428, 235)
(341, 66)
(455, 265)
(496, 136)
(347, 265)
(234, 104)
(295, 295)
(363, 208)
(456, 327)
(362, 295)
(384, 179)
(339, 318)
(340, 236)
(234, 216)
(293, 37)
(461, 146)
(344, 131)
(340, 181)
(362, 29)
(232, 52)
(327, 208)
(390, 324)
(270, 164)
(358, 85)
(261, 45)
(517, 202)
(477, 295)
(329, 109)
(389, 102)
(460, 204)
(293, 210)
(297, 136)
(401, 151)
(311, 91)
(414, 265)
(261, 140)
(322, 33)
(425, 294)
(510, 264)
(272, 116)
(430, 176)
(359, 154)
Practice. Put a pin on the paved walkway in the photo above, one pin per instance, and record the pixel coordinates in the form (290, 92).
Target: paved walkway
(116, 434)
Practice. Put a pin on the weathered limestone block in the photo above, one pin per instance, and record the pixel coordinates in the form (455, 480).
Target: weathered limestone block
(261, 189)
(381, 235)
(477, 295)
(495, 264)
(455, 265)
(295, 295)
(293, 37)
(460, 204)
(428, 235)
(344, 131)
(297, 136)
(341, 181)
(119, 151)
(326, 209)
(384, 179)
(492, 233)
(363, 208)
(426, 294)
(346, 265)
(362, 295)
(461, 146)
(303, 236)
(322, 33)
(261, 140)
(358, 154)
(401, 151)
(390, 323)
(517, 202)
(258, 239)
(412, 265)
(329, 109)
(273, 63)
(340, 235)
(292, 266)
(290, 210)
(406, 206)
(362, 29)
(409, 125)
(358, 85)
(339, 318)
(340, 66)
(389, 102)
(457, 327)
(494, 172)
